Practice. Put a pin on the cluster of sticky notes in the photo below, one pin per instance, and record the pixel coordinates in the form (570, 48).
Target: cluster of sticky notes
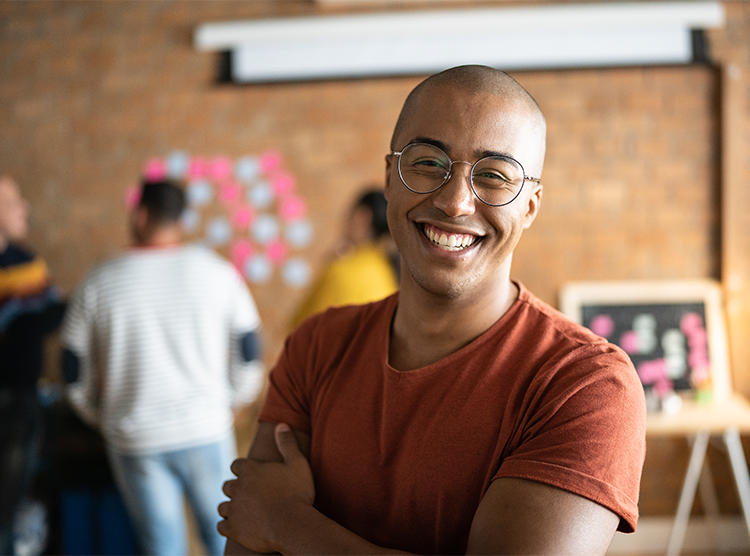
(247, 207)
(666, 356)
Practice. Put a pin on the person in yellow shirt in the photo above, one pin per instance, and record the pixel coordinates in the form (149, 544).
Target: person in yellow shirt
(365, 264)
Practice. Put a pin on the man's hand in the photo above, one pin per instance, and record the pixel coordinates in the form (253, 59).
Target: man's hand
(267, 498)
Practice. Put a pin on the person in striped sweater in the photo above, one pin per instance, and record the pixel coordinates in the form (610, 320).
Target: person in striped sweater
(160, 345)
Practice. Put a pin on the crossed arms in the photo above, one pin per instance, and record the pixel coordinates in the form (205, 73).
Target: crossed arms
(271, 510)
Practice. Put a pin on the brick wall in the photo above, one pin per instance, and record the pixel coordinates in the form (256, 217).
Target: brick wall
(89, 91)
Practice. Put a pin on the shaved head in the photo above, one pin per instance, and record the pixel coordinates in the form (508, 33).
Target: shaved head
(479, 80)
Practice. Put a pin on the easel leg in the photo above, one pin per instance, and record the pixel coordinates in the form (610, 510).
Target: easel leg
(739, 468)
(707, 491)
(687, 496)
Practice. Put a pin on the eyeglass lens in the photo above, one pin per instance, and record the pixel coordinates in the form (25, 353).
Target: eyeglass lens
(495, 180)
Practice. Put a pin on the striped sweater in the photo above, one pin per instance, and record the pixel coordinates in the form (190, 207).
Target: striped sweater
(157, 333)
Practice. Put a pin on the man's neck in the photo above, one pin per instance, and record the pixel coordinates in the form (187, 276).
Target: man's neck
(428, 328)
(160, 238)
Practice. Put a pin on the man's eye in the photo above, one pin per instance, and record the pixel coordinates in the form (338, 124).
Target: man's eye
(430, 162)
(489, 175)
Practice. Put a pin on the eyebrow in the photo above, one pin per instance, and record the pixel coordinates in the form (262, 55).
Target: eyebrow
(446, 148)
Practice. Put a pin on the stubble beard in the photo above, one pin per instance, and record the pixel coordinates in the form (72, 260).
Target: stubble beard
(440, 286)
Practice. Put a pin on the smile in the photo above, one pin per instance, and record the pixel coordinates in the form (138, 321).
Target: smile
(446, 240)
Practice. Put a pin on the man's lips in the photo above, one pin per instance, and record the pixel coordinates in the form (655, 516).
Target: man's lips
(448, 241)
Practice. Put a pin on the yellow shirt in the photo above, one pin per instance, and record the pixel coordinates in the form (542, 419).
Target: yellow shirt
(362, 276)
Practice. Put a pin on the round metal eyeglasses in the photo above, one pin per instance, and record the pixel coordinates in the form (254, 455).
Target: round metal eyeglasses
(496, 180)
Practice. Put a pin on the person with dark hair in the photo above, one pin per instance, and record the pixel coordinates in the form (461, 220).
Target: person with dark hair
(462, 414)
(160, 345)
(30, 310)
(363, 268)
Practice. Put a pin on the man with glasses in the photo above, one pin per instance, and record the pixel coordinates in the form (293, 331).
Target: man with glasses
(461, 415)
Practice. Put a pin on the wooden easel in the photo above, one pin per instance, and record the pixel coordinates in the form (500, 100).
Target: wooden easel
(725, 419)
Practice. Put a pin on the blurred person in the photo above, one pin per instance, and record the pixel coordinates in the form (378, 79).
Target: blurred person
(30, 310)
(461, 414)
(365, 263)
(160, 344)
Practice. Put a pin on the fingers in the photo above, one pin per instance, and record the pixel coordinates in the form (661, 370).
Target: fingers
(286, 442)
(228, 487)
(237, 465)
(223, 525)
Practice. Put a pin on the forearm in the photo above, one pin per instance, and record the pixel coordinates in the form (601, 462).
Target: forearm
(271, 502)
(305, 530)
(234, 548)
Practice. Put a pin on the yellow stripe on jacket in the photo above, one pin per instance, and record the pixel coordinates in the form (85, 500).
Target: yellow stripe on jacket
(24, 280)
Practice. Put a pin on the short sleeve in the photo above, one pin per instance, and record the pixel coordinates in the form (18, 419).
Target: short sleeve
(584, 431)
(246, 377)
(244, 316)
(289, 397)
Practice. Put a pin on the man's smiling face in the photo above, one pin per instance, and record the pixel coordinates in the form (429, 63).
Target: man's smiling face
(452, 243)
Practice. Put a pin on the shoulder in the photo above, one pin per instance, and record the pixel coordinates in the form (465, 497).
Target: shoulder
(551, 330)
(111, 267)
(339, 326)
(567, 353)
(208, 259)
(110, 275)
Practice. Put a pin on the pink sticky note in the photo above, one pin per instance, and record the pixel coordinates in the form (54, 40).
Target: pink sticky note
(292, 208)
(652, 371)
(242, 218)
(155, 169)
(629, 342)
(698, 358)
(276, 251)
(229, 192)
(270, 160)
(690, 322)
(220, 167)
(240, 252)
(198, 168)
(283, 184)
(698, 337)
(602, 325)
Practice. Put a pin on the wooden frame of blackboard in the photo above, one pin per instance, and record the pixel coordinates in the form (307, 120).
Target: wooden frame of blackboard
(574, 296)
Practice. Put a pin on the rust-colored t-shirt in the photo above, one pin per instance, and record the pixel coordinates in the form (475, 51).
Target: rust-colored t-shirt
(404, 458)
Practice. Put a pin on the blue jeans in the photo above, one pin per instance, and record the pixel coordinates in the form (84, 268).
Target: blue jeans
(153, 486)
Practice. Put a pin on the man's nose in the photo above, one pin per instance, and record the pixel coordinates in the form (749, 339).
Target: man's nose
(456, 197)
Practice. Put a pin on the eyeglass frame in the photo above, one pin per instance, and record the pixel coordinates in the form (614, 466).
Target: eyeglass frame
(471, 172)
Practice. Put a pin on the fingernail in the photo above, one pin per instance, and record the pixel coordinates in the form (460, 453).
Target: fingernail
(283, 427)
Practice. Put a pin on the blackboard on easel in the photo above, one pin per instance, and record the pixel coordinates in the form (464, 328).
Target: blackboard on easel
(673, 331)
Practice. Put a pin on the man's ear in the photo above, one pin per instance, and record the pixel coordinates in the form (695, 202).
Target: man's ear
(388, 167)
(139, 222)
(140, 217)
(534, 204)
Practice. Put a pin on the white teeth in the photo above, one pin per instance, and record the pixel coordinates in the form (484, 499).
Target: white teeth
(451, 242)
